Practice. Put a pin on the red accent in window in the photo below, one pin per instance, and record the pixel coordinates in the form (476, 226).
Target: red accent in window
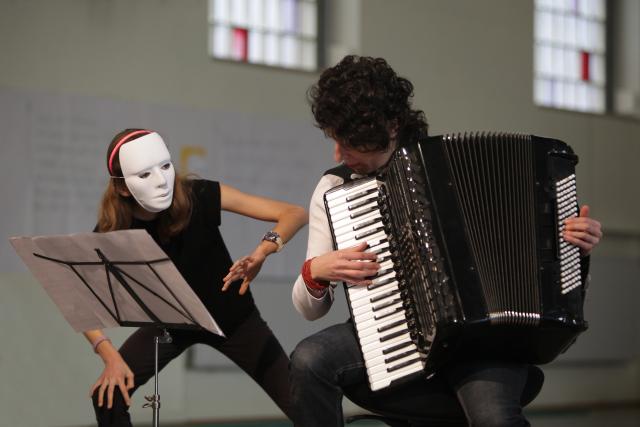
(585, 66)
(240, 44)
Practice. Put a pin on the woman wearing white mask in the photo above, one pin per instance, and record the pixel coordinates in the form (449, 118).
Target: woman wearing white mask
(183, 217)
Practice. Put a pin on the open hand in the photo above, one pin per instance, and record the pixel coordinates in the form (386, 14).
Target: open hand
(116, 374)
(246, 268)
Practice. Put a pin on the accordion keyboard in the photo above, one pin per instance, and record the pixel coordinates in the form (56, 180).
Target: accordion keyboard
(378, 311)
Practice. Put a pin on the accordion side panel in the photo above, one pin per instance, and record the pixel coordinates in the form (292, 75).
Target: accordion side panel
(502, 197)
(559, 261)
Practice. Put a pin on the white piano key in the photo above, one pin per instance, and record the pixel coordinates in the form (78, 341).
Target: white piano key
(383, 256)
(377, 246)
(366, 324)
(378, 296)
(380, 277)
(384, 374)
(378, 365)
(357, 311)
(381, 314)
(357, 293)
(354, 242)
(338, 196)
(379, 355)
(344, 210)
(351, 235)
(375, 354)
(350, 219)
(386, 381)
(376, 337)
(380, 306)
(372, 348)
(345, 227)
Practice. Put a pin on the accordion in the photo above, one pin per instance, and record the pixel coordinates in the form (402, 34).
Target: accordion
(468, 232)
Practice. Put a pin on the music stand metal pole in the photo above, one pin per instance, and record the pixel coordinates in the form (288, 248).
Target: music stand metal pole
(153, 402)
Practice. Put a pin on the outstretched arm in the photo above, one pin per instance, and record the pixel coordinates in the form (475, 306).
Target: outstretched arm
(583, 231)
(289, 219)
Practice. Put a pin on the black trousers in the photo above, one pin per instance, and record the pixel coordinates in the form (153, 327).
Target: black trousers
(252, 346)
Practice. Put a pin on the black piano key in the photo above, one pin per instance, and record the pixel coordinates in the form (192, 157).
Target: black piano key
(360, 194)
(400, 356)
(368, 233)
(364, 212)
(384, 258)
(397, 347)
(391, 313)
(379, 250)
(386, 304)
(392, 325)
(375, 243)
(382, 283)
(393, 335)
(362, 203)
(381, 273)
(365, 224)
(384, 295)
(403, 364)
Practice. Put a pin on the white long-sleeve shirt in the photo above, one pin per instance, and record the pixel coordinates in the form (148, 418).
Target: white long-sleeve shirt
(320, 242)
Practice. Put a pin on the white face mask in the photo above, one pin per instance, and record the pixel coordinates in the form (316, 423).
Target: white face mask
(148, 172)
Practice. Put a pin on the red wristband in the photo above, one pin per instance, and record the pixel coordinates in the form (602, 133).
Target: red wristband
(306, 276)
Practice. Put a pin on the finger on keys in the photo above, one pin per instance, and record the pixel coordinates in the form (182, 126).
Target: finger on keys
(355, 277)
(369, 268)
(357, 252)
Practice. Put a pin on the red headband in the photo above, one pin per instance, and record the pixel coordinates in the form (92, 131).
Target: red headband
(124, 139)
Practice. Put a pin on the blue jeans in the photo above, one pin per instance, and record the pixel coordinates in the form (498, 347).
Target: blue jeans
(327, 363)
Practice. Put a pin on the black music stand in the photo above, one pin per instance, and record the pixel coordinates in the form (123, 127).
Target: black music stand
(120, 278)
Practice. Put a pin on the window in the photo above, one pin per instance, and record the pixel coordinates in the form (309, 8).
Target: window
(570, 54)
(278, 33)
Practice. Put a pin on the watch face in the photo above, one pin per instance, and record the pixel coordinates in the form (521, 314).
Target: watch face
(272, 236)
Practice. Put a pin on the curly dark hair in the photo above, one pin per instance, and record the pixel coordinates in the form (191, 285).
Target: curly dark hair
(361, 101)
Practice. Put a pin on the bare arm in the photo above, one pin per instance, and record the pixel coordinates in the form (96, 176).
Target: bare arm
(288, 219)
(116, 372)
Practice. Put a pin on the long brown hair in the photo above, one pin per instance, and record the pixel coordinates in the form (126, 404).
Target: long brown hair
(116, 210)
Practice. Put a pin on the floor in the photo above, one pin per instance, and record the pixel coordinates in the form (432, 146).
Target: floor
(607, 417)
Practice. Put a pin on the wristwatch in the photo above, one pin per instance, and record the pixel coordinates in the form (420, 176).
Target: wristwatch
(272, 236)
